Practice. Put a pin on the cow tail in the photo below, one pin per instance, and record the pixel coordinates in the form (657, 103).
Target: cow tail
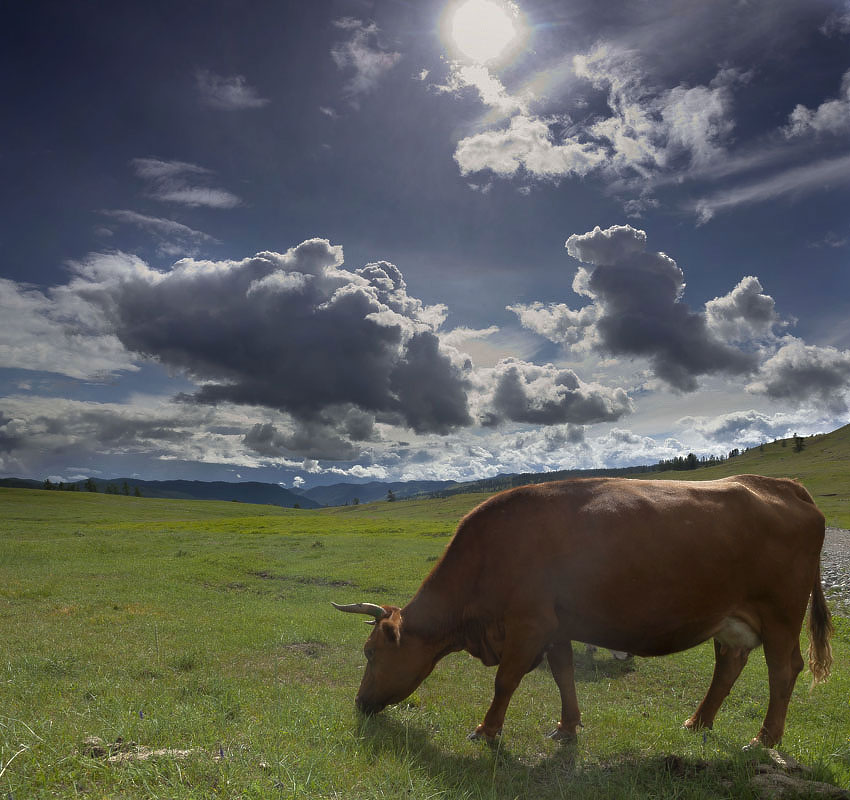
(820, 630)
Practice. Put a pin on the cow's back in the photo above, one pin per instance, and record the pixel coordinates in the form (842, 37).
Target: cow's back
(613, 556)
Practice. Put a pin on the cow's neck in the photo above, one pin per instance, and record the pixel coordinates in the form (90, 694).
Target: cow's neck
(436, 612)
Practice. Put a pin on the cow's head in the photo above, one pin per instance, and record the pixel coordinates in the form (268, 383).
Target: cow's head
(396, 663)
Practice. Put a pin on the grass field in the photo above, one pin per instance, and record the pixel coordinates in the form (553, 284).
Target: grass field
(206, 628)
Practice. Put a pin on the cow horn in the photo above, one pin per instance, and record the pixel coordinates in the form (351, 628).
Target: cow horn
(363, 608)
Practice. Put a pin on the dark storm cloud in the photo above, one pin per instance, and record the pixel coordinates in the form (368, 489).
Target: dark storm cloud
(638, 311)
(291, 331)
(546, 395)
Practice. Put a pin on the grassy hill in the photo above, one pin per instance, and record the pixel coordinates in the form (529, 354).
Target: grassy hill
(203, 631)
(822, 466)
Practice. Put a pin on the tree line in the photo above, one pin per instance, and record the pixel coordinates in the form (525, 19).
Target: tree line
(90, 486)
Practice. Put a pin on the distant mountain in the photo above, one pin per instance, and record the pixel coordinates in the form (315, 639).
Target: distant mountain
(340, 494)
(247, 492)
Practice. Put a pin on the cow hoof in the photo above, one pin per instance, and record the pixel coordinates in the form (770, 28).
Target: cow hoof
(479, 735)
(693, 724)
(559, 735)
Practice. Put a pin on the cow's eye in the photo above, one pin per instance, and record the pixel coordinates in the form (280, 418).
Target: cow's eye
(369, 652)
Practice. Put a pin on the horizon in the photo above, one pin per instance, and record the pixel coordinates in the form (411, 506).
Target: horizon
(348, 242)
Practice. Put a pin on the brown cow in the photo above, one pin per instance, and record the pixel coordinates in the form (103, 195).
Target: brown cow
(646, 567)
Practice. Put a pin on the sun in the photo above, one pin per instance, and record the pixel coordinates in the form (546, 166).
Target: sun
(482, 30)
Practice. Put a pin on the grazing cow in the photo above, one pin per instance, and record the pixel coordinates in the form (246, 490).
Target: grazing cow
(645, 567)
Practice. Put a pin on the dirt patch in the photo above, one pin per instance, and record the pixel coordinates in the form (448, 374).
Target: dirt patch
(311, 581)
(121, 752)
(309, 649)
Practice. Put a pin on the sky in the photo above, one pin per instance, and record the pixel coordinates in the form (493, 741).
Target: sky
(310, 243)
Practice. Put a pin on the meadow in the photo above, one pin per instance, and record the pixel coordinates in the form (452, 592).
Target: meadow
(197, 642)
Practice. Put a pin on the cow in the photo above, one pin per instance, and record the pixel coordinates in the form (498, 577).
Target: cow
(647, 567)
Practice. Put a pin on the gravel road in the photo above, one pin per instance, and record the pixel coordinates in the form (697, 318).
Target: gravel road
(835, 568)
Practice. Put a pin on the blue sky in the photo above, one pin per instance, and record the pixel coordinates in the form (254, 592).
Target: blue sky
(318, 242)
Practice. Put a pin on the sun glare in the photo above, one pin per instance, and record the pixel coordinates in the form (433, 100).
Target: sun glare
(482, 30)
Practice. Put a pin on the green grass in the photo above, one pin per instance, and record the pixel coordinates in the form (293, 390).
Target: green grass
(207, 627)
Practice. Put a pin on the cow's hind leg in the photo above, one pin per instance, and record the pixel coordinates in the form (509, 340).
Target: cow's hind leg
(560, 659)
(784, 664)
(728, 663)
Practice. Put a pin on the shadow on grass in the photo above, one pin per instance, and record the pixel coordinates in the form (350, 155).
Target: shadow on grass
(495, 772)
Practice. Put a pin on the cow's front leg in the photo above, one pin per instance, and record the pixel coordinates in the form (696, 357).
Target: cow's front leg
(561, 662)
(519, 656)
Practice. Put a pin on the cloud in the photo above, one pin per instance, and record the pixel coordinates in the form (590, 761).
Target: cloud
(831, 117)
(227, 93)
(183, 183)
(55, 333)
(491, 90)
(291, 331)
(838, 23)
(173, 238)
(746, 428)
(647, 131)
(309, 440)
(745, 314)
(806, 373)
(636, 310)
(548, 395)
(363, 55)
(793, 182)
(527, 144)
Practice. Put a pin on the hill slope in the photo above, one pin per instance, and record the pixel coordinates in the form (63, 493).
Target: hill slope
(246, 492)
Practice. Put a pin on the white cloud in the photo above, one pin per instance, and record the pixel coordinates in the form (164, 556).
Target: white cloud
(491, 90)
(183, 183)
(231, 93)
(363, 55)
(743, 315)
(793, 182)
(42, 332)
(527, 143)
(831, 117)
(174, 238)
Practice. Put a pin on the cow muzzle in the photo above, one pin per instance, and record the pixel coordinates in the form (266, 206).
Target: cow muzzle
(368, 708)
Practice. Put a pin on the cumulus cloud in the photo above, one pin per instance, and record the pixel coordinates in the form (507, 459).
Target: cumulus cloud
(528, 143)
(183, 183)
(548, 395)
(53, 332)
(647, 130)
(362, 55)
(636, 309)
(292, 331)
(745, 314)
(806, 373)
(230, 93)
(831, 117)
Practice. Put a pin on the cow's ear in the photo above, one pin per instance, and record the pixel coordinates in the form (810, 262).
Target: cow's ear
(391, 625)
